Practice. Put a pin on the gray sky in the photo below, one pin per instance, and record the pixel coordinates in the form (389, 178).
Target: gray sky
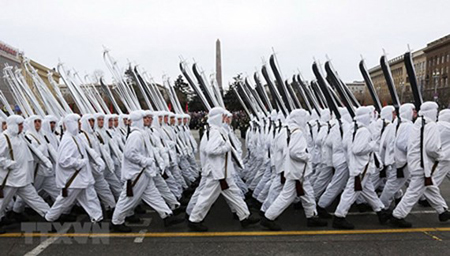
(155, 33)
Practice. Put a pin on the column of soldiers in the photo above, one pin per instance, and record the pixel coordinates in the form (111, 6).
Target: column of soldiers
(110, 165)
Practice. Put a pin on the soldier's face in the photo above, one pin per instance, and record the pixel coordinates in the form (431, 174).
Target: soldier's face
(20, 127)
(52, 126)
(91, 122)
(414, 114)
(160, 119)
(116, 122)
(37, 124)
(147, 120)
(166, 119)
(100, 122)
(185, 120)
(4, 126)
(110, 123)
(172, 120)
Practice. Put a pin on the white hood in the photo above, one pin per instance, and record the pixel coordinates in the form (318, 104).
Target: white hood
(215, 116)
(444, 115)
(363, 116)
(429, 110)
(30, 124)
(386, 113)
(136, 118)
(71, 124)
(407, 111)
(297, 119)
(85, 125)
(13, 122)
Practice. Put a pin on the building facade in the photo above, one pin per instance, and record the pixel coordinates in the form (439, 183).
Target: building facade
(436, 79)
(400, 77)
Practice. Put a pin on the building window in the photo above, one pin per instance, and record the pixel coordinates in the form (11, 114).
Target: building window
(442, 59)
(448, 57)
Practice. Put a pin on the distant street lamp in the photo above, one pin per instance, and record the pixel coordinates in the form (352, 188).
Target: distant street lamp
(436, 79)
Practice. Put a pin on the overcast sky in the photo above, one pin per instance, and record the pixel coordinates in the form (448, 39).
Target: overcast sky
(155, 33)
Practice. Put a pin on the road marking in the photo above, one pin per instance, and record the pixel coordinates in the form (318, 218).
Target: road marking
(374, 213)
(235, 233)
(52, 238)
(433, 236)
(139, 240)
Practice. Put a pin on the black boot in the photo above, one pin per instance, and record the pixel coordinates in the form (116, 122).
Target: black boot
(133, 219)
(397, 201)
(249, 221)
(197, 226)
(19, 217)
(400, 223)
(424, 203)
(172, 220)
(316, 222)
(122, 228)
(443, 217)
(139, 210)
(363, 207)
(66, 218)
(270, 224)
(184, 201)
(342, 223)
(261, 213)
(383, 216)
(298, 206)
(179, 210)
(323, 213)
(109, 213)
(235, 217)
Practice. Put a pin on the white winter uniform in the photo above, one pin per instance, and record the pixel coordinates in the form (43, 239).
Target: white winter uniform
(17, 160)
(137, 159)
(72, 157)
(431, 152)
(361, 164)
(217, 167)
(44, 178)
(297, 167)
(394, 182)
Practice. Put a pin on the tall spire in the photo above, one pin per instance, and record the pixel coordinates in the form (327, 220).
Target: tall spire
(219, 66)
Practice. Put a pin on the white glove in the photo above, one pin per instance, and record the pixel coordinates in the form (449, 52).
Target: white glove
(373, 145)
(82, 163)
(11, 164)
(101, 165)
(47, 163)
(148, 162)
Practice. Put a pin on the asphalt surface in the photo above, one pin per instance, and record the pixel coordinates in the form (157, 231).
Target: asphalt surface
(226, 237)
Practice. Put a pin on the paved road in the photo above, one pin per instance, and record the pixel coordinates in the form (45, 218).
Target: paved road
(226, 237)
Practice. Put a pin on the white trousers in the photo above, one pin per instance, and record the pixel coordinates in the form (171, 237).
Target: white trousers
(41, 183)
(28, 194)
(265, 191)
(104, 192)
(165, 192)
(86, 197)
(274, 191)
(263, 181)
(393, 185)
(287, 195)
(194, 196)
(413, 193)
(114, 183)
(323, 178)
(336, 186)
(209, 195)
(349, 196)
(146, 190)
